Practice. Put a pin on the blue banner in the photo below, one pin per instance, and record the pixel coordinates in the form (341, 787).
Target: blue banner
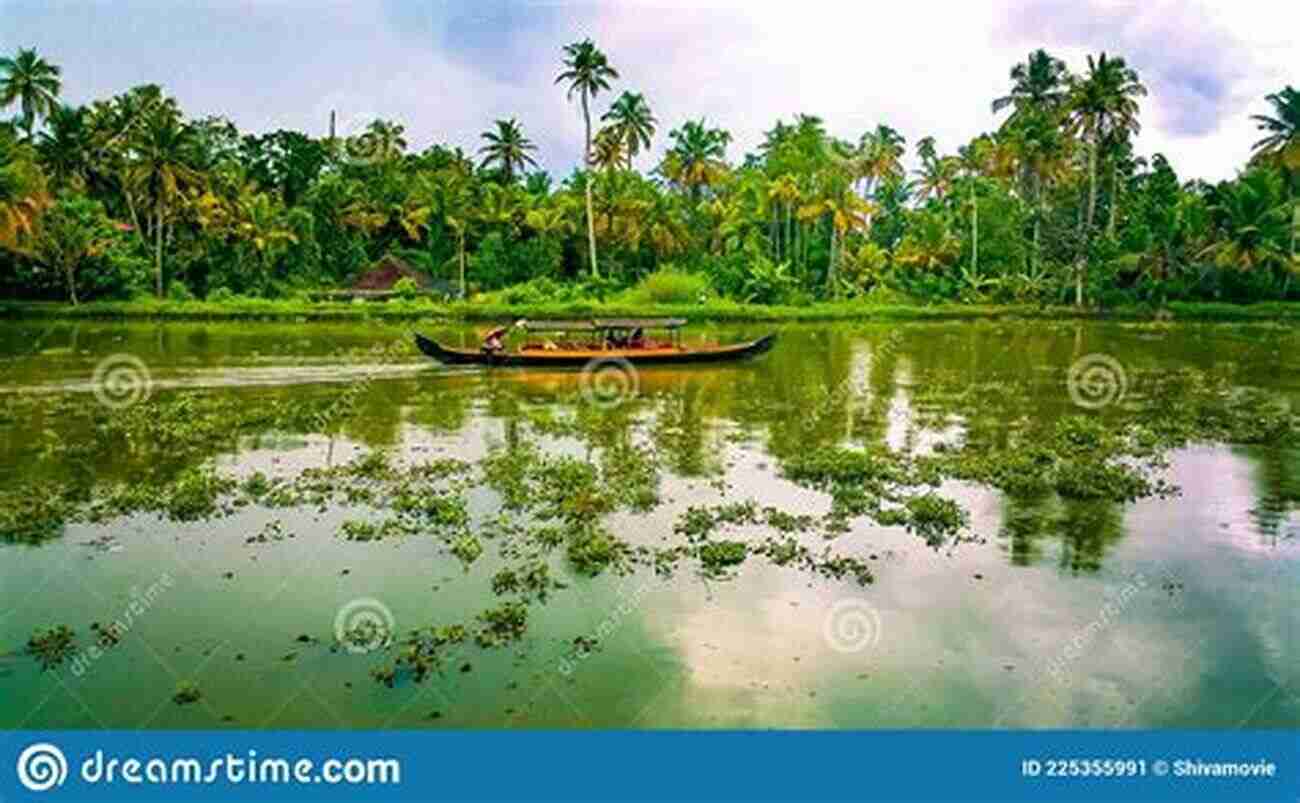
(627, 765)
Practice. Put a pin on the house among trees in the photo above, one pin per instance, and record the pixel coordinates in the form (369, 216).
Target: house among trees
(381, 279)
(387, 272)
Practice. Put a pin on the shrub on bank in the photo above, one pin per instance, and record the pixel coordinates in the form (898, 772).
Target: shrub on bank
(668, 285)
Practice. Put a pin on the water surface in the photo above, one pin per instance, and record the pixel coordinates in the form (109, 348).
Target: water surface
(1173, 612)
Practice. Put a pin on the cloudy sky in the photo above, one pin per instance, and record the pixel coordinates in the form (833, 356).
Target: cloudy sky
(447, 69)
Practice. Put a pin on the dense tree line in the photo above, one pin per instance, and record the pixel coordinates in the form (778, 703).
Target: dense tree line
(128, 195)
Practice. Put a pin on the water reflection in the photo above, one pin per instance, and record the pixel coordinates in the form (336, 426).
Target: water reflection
(894, 387)
(747, 651)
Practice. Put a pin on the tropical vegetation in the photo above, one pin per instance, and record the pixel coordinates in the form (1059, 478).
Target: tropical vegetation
(130, 196)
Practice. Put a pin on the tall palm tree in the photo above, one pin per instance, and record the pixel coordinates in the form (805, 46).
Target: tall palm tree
(65, 147)
(1042, 149)
(508, 149)
(32, 83)
(1103, 106)
(936, 173)
(1283, 128)
(1041, 83)
(879, 156)
(630, 117)
(164, 153)
(587, 72)
(697, 158)
(457, 199)
(784, 191)
(975, 160)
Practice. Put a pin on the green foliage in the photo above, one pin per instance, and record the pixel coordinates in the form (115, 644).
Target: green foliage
(179, 291)
(406, 288)
(467, 548)
(592, 549)
(52, 646)
(500, 261)
(668, 285)
(1054, 199)
(718, 556)
(503, 624)
(187, 692)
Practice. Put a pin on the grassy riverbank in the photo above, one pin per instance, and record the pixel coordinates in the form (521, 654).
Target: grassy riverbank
(259, 309)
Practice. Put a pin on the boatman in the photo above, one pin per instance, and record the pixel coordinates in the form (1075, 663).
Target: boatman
(492, 342)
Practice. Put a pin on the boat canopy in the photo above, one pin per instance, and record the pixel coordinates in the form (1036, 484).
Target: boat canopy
(558, 326)
(639, 323)
(603, 324)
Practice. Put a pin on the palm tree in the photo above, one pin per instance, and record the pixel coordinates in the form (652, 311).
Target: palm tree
(32, 83)
(929, 245)
(65, 147)
(552, 219)
(263, 225)
(164, 153)
(22, 193)
(784, 190)
(380, 143)
(630, 118)
(1282, 146)
(936, 174)
(849, 213)
(1252, 220)
(668, 231)
(1042, 149)
(976, 159)
(508, 149)
(1283, 127)
(1104, 107)
(457, 199)
(1041, 83)
(587, 72)
(609, 150)
(697, 158)
(879, 156)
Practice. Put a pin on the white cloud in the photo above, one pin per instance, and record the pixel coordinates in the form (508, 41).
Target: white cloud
(447, 71)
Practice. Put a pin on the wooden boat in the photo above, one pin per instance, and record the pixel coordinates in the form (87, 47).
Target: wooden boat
(613, 343)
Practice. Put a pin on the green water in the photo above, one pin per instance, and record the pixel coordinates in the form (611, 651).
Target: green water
(1174, 612)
